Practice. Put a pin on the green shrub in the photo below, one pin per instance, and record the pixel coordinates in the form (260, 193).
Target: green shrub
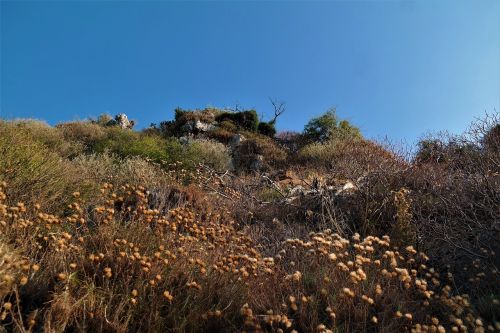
(267, 129)
(452, 151)
(33, 171)
(129, 143)
(211, 153)
(269, 194)
(430, 150)
(48, 136)
(166, 151)
(248, 120)
(228, 125)
(322, 128)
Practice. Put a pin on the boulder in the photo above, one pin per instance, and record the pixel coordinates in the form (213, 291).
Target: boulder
(122, 121)
(184, 140)
(236, 140)
(257, 164)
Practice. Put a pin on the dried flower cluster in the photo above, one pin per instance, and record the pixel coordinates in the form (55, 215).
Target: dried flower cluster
(123, 264)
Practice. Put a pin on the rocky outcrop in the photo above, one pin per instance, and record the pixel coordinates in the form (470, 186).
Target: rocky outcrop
(122, 121)
(196, 126)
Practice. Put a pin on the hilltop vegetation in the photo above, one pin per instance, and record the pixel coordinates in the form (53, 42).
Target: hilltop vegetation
(213, 222)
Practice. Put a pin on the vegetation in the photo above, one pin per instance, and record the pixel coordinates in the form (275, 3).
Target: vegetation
(244, 120)
(104, 229)
(326, 126)
(267, 129)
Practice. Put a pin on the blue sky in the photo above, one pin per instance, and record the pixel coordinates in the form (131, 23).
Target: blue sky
(395, 68)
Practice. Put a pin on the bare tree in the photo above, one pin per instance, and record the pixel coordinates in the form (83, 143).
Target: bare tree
(279, 109)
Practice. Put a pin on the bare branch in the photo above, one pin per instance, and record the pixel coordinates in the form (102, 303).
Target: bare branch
(279, 109)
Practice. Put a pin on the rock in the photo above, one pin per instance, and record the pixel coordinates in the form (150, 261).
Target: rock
(348, 187)
(122, 121)
(297, 190)
(257, 163)
(197, 126)
(236, 140)
(184, 140)
(203, 127)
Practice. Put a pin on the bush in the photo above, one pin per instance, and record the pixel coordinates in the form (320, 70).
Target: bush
(35, 173)
(246, 120)
(322, 128)
(249, 150)
(105, 168)
(228, 125)
(491, 140)
(430, 150)
(211, 153)
(221, 135)
(86, 134)
(104, 119)
(165, 151)
(49, 136)
(207, 115)
(267, 129)
(128, 143)
(347, 157)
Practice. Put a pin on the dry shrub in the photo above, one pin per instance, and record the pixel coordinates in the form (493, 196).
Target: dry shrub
(221, 134)
(124, 266)
(111, 268)
(349, 157)
(102, 168)
(248, 151)
(85, 133)
(211, 153)
(164, 187)
(10, 269)
(456, 198)
(207, 115)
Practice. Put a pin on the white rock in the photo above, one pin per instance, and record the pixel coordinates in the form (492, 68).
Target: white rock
(348, 187)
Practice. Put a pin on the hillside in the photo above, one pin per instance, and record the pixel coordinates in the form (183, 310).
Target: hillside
(214, 222)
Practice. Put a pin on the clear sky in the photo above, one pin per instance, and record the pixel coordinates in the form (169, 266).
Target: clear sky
(396, 68)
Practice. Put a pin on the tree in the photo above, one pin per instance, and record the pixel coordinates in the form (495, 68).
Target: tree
(346, 130)
(269, 128)
(319, 129)
(324, 127)
(279, 109)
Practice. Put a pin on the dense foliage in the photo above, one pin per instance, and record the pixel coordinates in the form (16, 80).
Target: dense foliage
(326, 126)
